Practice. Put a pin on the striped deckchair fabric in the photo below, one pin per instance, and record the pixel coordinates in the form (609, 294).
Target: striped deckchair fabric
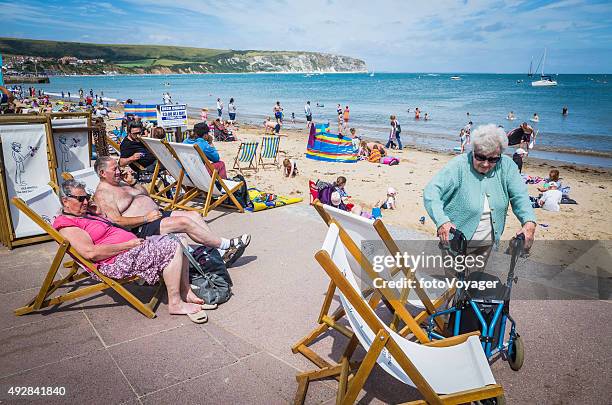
(246, 155)
(269, 150)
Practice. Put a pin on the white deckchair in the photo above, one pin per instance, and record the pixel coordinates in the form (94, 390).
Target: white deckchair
(197, 166)
(456, 372)
(166, 159)
(357, 231)
(86, 176)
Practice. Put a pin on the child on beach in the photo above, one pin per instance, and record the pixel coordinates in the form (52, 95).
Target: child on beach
(204, 114)
(355, 139)
(290, 167)
(345, 116)
(390, 201)
(293, 118)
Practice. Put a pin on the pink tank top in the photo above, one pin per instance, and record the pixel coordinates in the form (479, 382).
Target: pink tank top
(99, 230)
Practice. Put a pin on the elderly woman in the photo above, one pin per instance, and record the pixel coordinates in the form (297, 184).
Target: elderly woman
(120, 254)
(472, 192)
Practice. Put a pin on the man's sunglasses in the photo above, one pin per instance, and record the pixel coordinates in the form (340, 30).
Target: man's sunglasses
(80, 198)
(136, 133)
(482, 158)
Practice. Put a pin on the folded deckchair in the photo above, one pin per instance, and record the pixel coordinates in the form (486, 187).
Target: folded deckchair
(455, 372)
(198, 168)
(86, 176)
(42, 208)
(166, 160)
(269, 150)
(246, 156)
(355, 231)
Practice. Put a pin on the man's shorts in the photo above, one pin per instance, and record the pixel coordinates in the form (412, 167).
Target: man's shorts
(151, 228)
(309, 118)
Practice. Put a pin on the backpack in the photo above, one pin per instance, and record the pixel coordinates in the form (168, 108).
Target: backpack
(209, 276)
(398, 129)
(207, 273)
(242, 194)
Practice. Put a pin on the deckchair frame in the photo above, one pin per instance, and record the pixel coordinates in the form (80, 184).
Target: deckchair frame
(44, 300)
(160, 194)
(328, 321)
(208, 194)
(350, 385)
(252, 164)
(264, 140)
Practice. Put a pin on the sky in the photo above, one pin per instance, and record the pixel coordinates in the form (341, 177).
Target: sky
(497, 36)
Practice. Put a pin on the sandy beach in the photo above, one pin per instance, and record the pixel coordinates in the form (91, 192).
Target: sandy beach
(368, 182)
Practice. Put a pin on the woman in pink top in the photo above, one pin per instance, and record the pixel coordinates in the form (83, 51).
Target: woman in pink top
(120, 254)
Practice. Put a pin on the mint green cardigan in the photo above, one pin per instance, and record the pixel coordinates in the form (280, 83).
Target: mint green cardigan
(456, 193)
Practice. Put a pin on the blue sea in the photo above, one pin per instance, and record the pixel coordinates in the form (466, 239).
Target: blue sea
(584, 136)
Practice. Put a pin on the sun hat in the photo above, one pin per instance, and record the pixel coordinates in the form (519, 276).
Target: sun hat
(520, 151)
(391, 191)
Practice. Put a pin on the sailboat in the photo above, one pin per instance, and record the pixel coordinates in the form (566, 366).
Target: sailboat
(545, 80)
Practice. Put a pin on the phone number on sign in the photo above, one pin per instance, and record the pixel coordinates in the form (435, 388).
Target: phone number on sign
(39, 391)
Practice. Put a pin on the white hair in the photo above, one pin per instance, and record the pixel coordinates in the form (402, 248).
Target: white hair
(489, 139)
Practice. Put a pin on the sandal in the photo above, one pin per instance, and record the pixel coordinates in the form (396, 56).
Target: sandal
(198, 317)
(209, 306)
(237, 248)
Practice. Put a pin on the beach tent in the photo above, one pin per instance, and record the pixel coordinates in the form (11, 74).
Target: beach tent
(147, 112)
(329, 147)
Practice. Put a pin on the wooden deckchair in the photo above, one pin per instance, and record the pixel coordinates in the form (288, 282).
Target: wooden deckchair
(247, 152)
(354, 230)
(42, 209)
(452, 371)
(269, 150)
(168, 161)
(210, 186)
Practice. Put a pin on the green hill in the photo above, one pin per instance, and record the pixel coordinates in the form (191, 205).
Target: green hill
(173, 59)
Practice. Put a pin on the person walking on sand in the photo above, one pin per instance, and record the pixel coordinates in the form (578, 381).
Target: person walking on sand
(219, 107)
(308, 113)
(395, 132)
(231, 110)
(278, 113)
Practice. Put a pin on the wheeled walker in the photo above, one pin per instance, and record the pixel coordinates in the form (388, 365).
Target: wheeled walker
(485, 310)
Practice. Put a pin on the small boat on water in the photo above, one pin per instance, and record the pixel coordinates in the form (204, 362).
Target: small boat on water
(455, 78)
(545, 80)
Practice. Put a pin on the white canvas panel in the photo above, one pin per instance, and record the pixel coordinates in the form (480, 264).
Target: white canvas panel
(24, 150)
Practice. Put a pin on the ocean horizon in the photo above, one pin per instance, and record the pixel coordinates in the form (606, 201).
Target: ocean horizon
(584, 136)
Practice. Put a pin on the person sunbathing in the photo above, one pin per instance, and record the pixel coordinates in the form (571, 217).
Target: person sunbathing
(130, 206)
(119, 254)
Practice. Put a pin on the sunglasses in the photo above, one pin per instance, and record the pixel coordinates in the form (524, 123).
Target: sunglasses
(482, 158)
(80, 198)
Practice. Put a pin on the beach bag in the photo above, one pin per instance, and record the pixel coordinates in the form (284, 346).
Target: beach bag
(209, 276)
(242, 194)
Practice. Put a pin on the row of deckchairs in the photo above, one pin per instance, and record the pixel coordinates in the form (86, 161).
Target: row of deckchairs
(247, 152)
(451, 370)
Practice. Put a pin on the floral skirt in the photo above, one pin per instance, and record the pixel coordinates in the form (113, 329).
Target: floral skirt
(146, 261)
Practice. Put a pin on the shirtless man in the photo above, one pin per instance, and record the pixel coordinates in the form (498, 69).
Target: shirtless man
(130, 206)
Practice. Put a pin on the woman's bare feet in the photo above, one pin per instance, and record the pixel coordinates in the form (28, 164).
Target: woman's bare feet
(192, 298)
(184, 308)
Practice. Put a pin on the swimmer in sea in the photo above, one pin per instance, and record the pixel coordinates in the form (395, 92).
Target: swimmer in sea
(511, 116)
(535, 118)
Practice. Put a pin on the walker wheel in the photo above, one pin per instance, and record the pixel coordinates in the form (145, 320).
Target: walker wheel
(518, 354)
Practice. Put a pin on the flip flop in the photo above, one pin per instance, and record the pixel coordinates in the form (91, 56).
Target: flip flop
(198, 317)
(209, 306)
